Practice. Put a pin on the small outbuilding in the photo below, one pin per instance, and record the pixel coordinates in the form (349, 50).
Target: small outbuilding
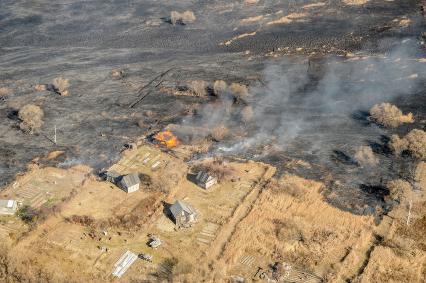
(129, 183)
(205, 180)
(8, 207)
(110, 176)
(183, 214)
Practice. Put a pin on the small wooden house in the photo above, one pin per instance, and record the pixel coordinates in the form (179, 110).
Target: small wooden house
(183, 214)
(205, 180)
(129, 183)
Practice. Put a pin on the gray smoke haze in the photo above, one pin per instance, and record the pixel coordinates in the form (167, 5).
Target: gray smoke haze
(316, 101)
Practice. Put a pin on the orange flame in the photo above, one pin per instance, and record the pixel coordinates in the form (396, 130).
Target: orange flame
(167, 139)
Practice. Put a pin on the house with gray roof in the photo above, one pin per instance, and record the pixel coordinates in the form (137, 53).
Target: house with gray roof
(129, 183)
(204, 180)
(183, 214)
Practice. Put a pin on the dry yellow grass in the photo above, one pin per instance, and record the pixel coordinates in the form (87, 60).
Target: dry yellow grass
(182, 18)
(252, 19)
(288, 19)
(31, 117)
(229, 42)
(355, 2)
(389, 115)
(365, 157)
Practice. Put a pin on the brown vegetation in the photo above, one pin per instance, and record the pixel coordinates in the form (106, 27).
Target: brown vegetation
(219, 133)
(31, 117)
(198, 87)
(397, 188)
(217, 167)
(239, 91)
(247, 114)
(61, 86)
(117, 74)
(4, 91)
(182, 18)
(389, 115)
(365, 156)
(414, 142)
(420, 175)
(219, 87)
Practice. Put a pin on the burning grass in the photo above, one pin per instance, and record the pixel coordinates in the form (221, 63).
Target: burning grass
(389, 115)
(166, 139)
(414, 143)
(31, 117)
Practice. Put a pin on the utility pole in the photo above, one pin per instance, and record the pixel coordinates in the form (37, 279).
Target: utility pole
(409, 212)
(54, 139)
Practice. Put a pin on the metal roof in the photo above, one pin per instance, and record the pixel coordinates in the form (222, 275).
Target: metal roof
(204, 177)
(130, 180)
(179, 206)
(125, 261)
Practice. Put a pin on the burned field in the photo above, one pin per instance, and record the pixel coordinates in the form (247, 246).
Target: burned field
(310, 116)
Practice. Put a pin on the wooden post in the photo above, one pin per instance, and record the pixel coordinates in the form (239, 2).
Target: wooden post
(409, 212)
(55, 135)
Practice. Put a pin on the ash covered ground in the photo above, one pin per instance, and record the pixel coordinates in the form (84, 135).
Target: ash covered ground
(309, 97)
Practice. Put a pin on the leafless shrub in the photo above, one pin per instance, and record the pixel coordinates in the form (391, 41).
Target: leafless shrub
(397, 188)
(420, 172)
(216, 167)
(247, 114)
(117, 74)
(61, 85)
(141, 123)
(198, 87)
(219, 133)
(182, 18)
(414, 142)
(219, 87)
(149, 113)
(389, 115)
(84, 220)
(31, 117)
(365, 157)
(239, 91)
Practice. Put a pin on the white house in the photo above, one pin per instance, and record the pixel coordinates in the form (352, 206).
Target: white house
(205, 180)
